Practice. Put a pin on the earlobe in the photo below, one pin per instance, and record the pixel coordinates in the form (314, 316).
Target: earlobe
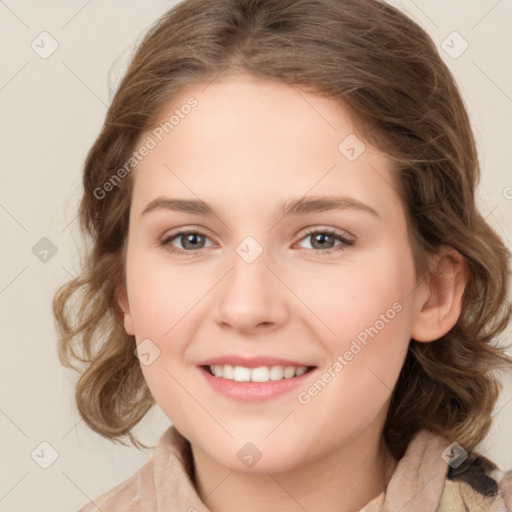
(446, 284)
(122, 300)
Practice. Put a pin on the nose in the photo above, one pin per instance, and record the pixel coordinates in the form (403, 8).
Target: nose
(251, 296)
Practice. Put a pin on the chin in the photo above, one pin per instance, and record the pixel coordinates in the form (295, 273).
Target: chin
(258, 456)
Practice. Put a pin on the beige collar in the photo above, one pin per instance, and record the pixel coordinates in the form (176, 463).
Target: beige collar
(421, 482)
(416, 484)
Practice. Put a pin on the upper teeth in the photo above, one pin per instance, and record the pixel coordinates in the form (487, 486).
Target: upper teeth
(260, 374)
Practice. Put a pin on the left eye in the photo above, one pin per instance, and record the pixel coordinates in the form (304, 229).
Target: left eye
(321, 239)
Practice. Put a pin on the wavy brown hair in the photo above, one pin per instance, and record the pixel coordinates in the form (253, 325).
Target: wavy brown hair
(405, 102)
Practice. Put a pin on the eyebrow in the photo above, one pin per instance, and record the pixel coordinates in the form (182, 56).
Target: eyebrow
(294, 206)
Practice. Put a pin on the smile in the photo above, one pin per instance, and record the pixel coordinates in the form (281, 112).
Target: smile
(260, 374)
(245, 384)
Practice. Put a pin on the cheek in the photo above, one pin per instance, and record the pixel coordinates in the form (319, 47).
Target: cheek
(160, 294)
(364, 298)
(368, 308)
(378, 329)
(165, 307)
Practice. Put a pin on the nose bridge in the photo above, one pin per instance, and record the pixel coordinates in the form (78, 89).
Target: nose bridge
(250, 293)
(250, 275)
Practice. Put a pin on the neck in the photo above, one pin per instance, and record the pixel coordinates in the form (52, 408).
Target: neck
(343, 480)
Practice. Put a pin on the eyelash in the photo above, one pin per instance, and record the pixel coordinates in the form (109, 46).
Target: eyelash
(184, 252)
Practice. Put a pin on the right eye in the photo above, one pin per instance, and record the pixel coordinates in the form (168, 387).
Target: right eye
(193, 239)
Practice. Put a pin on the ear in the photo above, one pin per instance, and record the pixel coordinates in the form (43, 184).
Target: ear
(122, 300)
(445, 286)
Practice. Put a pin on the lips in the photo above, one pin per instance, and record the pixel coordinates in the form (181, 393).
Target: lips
(256, 378)
(255, 383)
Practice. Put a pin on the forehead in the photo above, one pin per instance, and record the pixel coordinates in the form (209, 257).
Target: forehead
(259, 142)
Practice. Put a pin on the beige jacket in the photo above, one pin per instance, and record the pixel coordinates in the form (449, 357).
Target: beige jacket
(422, 482)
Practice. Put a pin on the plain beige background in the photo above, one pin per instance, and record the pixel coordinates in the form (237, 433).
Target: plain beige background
(52, 107)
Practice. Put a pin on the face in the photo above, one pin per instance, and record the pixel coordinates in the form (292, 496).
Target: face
(295, 254)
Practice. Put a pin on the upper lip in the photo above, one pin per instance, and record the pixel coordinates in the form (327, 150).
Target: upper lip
(252, 362)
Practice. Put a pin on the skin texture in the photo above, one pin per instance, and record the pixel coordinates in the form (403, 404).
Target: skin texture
(247, 146)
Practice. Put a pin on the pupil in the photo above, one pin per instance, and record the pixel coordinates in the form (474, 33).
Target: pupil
(192, 239)
(321, 238)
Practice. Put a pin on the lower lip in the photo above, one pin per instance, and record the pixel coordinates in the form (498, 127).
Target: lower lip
(253, 391)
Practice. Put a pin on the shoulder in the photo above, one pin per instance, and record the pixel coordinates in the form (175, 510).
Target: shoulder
(125, 497)
(477, 484)
(162, 483)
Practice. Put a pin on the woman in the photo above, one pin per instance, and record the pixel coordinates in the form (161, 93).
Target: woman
(352, 377)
